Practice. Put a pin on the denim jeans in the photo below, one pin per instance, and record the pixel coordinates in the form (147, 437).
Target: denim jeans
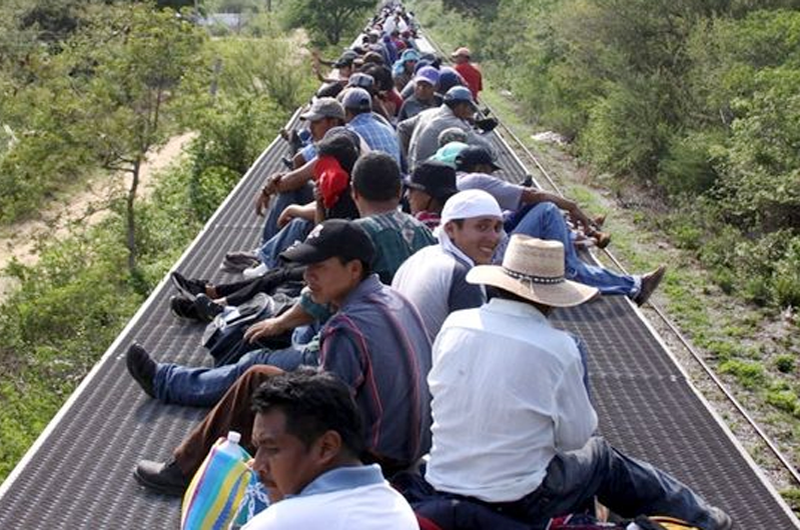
(296, 230)
(627, 486)
(303, 195)
(545, 221)
(203, 387)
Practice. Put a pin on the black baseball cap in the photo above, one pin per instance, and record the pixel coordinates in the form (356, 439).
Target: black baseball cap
(346, 59)
(474, 155)
(435, 178)
(332, 238)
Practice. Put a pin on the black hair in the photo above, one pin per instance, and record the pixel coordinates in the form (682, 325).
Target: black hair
(381, 74)
(341, 146)
(313, 401)
(376, 177)
(366, 268)
(497, 292)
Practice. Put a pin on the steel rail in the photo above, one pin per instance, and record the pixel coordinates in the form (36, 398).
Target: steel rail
(790, 468)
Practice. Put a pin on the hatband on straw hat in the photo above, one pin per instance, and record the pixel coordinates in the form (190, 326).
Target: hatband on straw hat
(533, 269)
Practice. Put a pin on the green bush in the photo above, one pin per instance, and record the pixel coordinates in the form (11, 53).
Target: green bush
(749, 374)
(625, 133)
(688, 168)
(785, 400)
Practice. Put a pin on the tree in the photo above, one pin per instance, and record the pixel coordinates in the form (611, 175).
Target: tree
(329, 19)
(128, 68)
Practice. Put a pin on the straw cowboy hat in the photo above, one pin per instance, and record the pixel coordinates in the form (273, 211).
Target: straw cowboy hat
(533, 269)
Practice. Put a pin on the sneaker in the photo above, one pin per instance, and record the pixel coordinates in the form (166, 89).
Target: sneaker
(255, 272)
(165, 478)
(141, 367)
(720, 519)
(650, 283)
(288, 162)
(184, 308)
(206, 308)
(187, 287)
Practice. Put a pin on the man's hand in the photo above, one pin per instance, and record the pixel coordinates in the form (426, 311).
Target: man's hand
(262, 197)
(266, 328)
(289, 213)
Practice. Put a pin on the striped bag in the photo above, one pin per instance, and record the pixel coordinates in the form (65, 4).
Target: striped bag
(224, 493)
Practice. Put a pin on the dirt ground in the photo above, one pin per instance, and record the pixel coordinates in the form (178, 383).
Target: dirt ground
(21, 240)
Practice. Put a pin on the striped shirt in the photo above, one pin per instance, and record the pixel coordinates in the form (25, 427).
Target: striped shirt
(377, 344)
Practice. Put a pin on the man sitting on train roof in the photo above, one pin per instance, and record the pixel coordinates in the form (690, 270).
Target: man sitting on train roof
(467, 70)
(375, 342)
(379, 135)
(367, 82)
(427, 190)
(308, 444)
(527, 447)
(426, 83)
(539, 214)
(434, 279)
(419, 136)
(324, 115)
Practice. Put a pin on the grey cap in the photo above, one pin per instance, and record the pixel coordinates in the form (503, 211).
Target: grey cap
(361, 80)
(357, 99)
(324, 108)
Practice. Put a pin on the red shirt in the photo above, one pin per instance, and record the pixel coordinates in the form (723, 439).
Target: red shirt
(472, 75)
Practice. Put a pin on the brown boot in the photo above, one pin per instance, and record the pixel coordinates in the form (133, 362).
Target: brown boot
(650, 283)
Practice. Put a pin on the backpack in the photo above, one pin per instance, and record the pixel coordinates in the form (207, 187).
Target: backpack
(224, 336)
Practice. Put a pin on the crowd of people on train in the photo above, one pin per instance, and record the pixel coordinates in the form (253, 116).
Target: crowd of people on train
(407, 334)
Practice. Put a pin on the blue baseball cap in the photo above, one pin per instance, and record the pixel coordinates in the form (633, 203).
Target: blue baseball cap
(459, 94)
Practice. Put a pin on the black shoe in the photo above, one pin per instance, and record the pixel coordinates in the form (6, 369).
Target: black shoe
(188, 287)
(141, 367)
(295, 141)
(650, 282)
(528, 181)
(239, 261)
(287, 162)
(184, 308)
(486, 124)
(206, 308)
(165, 478)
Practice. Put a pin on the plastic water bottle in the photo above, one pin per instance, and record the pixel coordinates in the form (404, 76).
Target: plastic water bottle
(231, 445)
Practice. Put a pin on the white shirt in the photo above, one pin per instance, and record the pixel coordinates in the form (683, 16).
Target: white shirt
(371, 506)
(507, 394)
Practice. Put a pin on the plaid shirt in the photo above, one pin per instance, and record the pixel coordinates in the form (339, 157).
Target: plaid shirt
(396, 236)
(378, 135)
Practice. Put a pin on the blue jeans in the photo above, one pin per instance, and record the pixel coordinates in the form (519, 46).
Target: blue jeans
(545, 221)
(203, 387)
(303, 195)
(295, 230)
(627, 486)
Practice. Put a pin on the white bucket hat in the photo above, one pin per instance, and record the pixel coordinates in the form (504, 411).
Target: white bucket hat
(533, 269)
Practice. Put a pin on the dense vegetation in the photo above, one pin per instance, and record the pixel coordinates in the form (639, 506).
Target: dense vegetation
(86, 89)
(696, 101)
